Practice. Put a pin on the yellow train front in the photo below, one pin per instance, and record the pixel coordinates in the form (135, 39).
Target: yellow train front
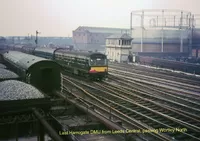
(90, 65)
(98, 66)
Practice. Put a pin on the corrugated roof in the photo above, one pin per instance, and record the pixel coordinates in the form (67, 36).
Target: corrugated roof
(119, 36)
(22, 60)
(103, 29)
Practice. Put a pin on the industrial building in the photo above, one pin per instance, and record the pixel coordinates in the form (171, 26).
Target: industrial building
(161, 31)
(94, 38)
(118, 47)
(155, 33)
(165, 32)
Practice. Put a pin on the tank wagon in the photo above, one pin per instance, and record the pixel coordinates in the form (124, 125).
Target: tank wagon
(170, 64)
(42, 73)
(90, 65)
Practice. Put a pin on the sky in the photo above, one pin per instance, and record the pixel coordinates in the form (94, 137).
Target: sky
(61, 17)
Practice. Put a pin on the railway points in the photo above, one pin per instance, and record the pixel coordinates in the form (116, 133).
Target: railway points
(157, 72)
(162, 97)
(174, 80)
(160, 83)
(120, 103)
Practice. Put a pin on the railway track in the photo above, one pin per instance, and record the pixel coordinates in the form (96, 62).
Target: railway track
(141, 114)
(104, 109)
(175, 84)
(189, 79)
(181, 102)
(163, 87)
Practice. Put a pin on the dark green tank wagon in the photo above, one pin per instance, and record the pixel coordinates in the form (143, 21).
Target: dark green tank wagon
(42, 73)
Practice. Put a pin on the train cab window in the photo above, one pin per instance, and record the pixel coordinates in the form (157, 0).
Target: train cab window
(98, 61)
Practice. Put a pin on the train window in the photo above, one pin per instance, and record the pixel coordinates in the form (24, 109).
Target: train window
(98, 61)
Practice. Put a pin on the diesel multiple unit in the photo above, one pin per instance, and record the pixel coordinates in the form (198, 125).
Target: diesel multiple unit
(90, 65)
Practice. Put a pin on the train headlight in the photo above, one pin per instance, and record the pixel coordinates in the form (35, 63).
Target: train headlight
(92, 71)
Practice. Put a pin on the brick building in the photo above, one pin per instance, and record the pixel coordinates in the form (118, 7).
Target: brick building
(94, 38)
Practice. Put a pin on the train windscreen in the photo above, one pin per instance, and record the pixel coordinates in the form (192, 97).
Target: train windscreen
(98, 60)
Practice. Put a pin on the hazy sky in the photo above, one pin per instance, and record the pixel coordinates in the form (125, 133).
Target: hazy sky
(60, 17)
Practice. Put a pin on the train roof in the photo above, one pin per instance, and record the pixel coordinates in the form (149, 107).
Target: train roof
(18, 46)
(45, 49)
(77, 53)
(24, 61)
(16, 90)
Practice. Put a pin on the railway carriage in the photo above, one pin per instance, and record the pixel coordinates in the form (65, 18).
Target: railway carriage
(90, 65)
(170, 64)
(44, 52)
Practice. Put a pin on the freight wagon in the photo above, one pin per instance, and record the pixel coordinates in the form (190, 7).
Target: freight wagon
(170, 64)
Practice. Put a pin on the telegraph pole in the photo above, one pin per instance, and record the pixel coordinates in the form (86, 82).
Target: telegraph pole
(36, 40)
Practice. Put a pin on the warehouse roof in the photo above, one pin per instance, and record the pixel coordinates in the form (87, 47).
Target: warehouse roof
(102, 29)
(120, 36)
(23, 60)
(6, 74)
(16, 90)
